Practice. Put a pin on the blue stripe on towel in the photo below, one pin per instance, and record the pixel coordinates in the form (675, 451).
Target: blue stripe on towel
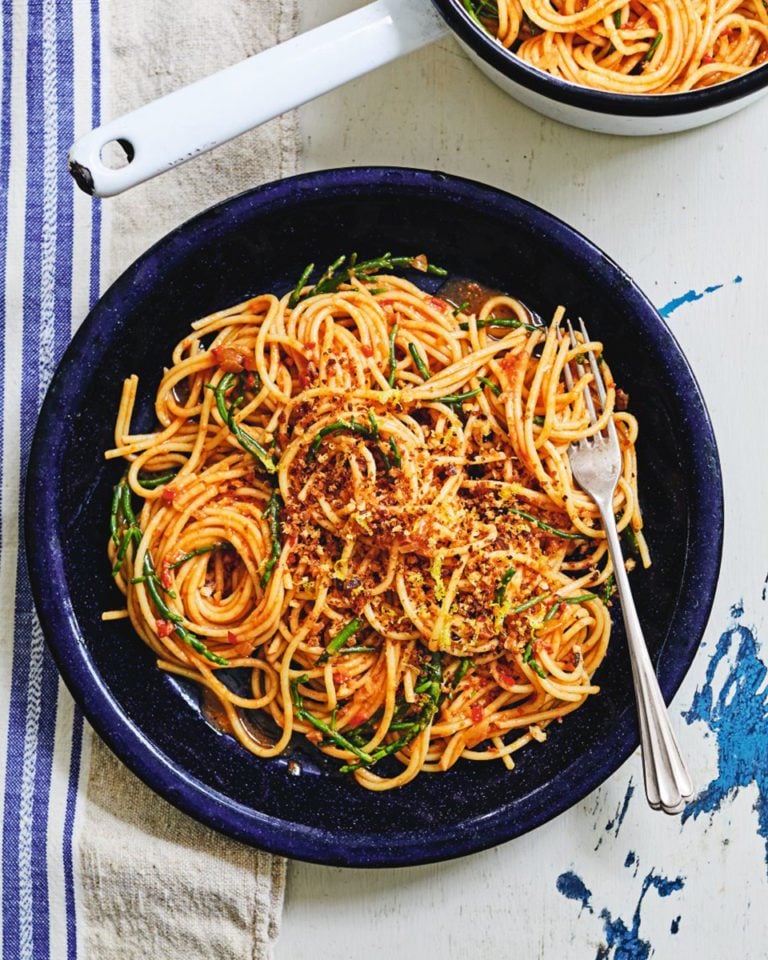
(95, 121)
(47, 304)
(69, 823)
(33, 694)
(6, 62)
(77, 721)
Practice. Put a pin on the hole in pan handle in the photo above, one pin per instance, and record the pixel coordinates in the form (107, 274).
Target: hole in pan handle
(209, 112)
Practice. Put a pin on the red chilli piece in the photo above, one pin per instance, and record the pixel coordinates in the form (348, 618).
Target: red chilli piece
(506, 676)
(438, 304)
(359, 717)
(476, 713)
(165, 575)
(707, 59)
(231, 637)
(366, 350)
(168, 495)
(164, 628)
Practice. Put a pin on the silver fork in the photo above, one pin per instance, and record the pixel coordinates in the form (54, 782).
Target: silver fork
(596, 466)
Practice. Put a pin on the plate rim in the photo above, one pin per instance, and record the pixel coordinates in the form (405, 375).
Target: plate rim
(214, 809)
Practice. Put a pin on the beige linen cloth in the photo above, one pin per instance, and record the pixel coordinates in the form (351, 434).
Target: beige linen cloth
(155, 884)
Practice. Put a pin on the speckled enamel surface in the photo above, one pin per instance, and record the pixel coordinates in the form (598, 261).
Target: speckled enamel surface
(260, 241)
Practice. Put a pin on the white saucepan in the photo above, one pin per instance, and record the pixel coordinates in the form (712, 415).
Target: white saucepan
(207, 113)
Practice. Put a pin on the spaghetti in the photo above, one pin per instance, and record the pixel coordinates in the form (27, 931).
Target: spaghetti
(632, 46)
(358, 496)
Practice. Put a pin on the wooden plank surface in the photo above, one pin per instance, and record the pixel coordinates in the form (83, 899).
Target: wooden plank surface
(682, 215)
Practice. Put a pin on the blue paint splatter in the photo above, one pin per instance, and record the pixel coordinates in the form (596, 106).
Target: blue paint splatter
(622, 811)
(691, 296)
(737, 716)
(631, 857)
(675, 925)
(663, 885)
(623, 940)
(573, 887)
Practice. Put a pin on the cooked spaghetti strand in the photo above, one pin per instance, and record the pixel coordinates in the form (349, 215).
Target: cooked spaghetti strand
(333, 503)
(632, 46)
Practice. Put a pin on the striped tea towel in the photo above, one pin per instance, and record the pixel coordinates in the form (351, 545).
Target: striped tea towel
(93, 864)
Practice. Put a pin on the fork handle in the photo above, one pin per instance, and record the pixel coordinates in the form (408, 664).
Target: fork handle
(667, 782)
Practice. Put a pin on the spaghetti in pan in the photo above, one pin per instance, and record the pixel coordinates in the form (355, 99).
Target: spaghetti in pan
(358, 496)
(635, 47)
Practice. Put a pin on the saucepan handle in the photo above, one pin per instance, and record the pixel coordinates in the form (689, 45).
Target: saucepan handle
(207, 113)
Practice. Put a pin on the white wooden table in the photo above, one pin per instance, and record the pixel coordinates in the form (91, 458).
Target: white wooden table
(680, 214)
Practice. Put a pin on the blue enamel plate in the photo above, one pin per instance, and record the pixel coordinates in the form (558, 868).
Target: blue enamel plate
(261, 241)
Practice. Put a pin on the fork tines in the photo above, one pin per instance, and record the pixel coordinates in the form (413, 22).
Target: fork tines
(597, 375)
